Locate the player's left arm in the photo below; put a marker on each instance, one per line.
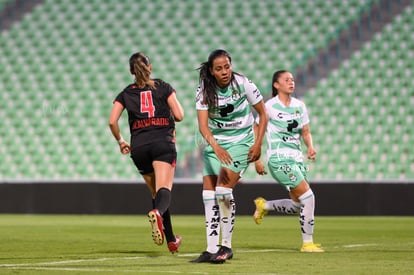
(255, 98)
(175, 107)
(307, 139)
(255, 150)
(258, 164)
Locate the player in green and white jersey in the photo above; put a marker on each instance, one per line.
(223, 102)
(288, 122)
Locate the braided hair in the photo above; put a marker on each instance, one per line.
(139, 65)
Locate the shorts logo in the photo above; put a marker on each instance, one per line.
(292, 177)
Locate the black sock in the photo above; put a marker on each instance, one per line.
(166, 221)
(168, 231)
(162, 200)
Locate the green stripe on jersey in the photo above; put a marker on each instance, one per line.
(232, 120)
(285, 128)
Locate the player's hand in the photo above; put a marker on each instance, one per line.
(222, 155)
(254, 153)
(124, 148)
(260, 168)
(311, 153)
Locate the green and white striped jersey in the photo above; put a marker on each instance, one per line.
(284, 129)
(233, 119)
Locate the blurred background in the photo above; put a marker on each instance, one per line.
(62, 62)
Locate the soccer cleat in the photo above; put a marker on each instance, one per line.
(311, 247)
(222, 255)
(173, 246)
(157, 228)
(205, 257)
(260, 210)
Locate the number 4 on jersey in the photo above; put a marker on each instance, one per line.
(147, 106)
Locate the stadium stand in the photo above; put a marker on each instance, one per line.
(365, 108)
(64, 62)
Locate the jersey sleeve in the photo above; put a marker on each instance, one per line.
(200, 99)
(253, 94)
(166, 88)
(120, 98)
(268, 108)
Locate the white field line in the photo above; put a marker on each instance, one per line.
(72, 261)
(53, 266)
(360, 245)
(34, 265)
(370, 244)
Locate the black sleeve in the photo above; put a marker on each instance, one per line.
(166, 88)
(120, 98)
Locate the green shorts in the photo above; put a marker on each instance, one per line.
(238, 152)
(288, 173)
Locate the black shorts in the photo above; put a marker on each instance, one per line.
(144, 155)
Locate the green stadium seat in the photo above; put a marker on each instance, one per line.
(78, 60)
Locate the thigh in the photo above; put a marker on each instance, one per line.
(209, 182)
(289, 174)
(163, 155)
(144, 155)
(238, 153)
(141, 155)
(164, 175)
(228, 178)
(164, 152)
(211, 164)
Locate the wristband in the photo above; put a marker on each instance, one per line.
(121, 140)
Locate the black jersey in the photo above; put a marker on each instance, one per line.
(149, 115)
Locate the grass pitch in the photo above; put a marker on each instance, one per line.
(118, 244)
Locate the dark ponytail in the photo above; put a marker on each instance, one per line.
(275, 78)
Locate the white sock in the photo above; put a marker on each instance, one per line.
(286, 206)
(307, 215)
(227, 206)
(212, 215)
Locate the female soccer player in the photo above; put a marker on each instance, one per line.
(288, 121)
(226, 122)
(152, 109)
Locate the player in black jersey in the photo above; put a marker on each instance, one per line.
(153, 109)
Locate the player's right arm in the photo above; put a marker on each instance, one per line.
(116, 113)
